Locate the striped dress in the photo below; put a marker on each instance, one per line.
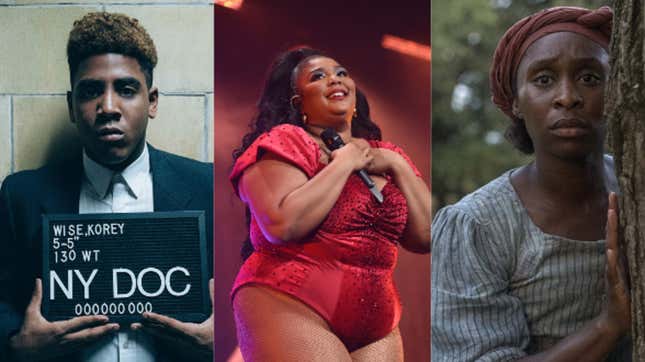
(502, 288)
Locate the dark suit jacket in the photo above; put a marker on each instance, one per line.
(178, 184)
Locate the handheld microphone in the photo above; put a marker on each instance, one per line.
(333, 142)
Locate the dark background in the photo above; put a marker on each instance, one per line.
(398, 89)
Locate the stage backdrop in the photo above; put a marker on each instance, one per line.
(397, 86)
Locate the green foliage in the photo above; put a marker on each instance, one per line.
(468, 148)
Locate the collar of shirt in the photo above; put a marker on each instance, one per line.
(99, 176)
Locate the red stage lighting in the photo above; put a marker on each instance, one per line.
(231, 4)
(407, 47)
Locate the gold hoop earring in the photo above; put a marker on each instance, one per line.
(355, 113)
(291, 101)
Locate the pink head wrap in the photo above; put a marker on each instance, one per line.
(593, 24)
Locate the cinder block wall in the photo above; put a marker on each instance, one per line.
(34, 77)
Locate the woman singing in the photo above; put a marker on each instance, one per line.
(318, 285)
(521, 267)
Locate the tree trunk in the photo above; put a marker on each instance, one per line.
(625, 114)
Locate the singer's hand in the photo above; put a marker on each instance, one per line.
(354, 154)
(40, 339)
(384, 161)
(360, 142)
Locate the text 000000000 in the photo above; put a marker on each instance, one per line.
(112, 308)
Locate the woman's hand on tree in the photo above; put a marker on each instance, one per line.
(617, 312)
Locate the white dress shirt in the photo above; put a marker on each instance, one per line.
(106, 191)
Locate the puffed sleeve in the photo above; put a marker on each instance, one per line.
(474, 318)
(289, 142)
(397, 149)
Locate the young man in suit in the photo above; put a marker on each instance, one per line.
(111, 60)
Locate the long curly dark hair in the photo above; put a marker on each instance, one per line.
(275, 108)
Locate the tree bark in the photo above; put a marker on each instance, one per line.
(625, 115)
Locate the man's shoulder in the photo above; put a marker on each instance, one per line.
(30, 188)
(184, 161)
(43, 176)
(182, 164)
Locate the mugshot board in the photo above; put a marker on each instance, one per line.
(122, 265)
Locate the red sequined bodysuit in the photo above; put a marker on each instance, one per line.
(344, 271)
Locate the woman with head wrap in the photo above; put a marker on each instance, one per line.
(520, 267)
